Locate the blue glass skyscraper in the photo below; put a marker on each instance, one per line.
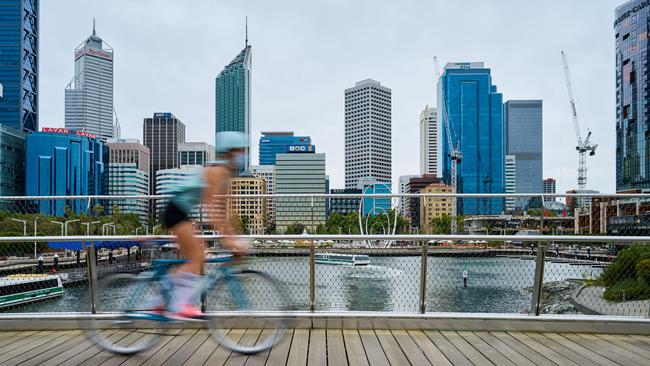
(19, 64)
(475, 113)
(272, 143)
(232, 97)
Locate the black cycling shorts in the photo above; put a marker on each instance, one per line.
(173, 215)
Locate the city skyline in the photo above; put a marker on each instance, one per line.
(287, 88)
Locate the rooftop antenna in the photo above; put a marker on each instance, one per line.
(246, 31)
(94, 33)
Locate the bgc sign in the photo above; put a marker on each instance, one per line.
(301, 148)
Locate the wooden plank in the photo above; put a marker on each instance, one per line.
(140, 358)
(317, 355)
(170, 348)
(642, 338)
(335, 348)
(201, 355)
(585, 352)
(299, 348)
(633, 340)
(249, 339)
(60, 337)
(447, 349)
(15, 337)
(522, 349)
(221, 354)
(564, 351)
(65, 351)
(26, 344)
(542, 349)
(374, 351)
(356, 354)
(408, 347)
(260, 358)
(485, 349)
(511, 354)
(280, 352)
(640, 348)
(614, 353)
(81, 357)
(429, 349)
(126, 341)
(470, 352)
(391, 348)
(187, 349)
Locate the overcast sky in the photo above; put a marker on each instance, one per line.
(168, 52)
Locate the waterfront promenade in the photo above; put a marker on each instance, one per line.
(337, 347)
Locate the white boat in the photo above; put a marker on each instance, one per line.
(25, 288)
(342, 259)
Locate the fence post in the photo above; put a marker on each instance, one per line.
(423, 277)
(312, 277)
(539, 279)
(92, 265)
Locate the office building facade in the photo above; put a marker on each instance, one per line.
(429, 141)
(632, 26)
(368, 128)
(375, 205)
(233, 97)
(511, 181)
(267, 172)
(195, 153)
(414, 186)
(403, 202)
(549, 187)
(272, 143)
(302, 174)
(476, 121)
(128, 175)
(523, 125)
(344, 205)
(12, 162)
(251, 211)
(19, 59)
(89, 95)
(434, 207)
(162, 134)
(62, 162)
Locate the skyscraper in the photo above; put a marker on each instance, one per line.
(128, 175)
(162, 135)
(548, 187)
(367, 133)
(429, 141)
(12, 162)
(476, 121)
(523, 125)
(89, 95)
(232, 96)
(272, 143)
(403, 206)
(511, 180)
(19, 29)
(632, 26)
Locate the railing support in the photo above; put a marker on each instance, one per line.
(539, 279)
(92, 277)
(312, 277)
(423, 277)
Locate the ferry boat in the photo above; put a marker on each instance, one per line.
(342, 259)
(25, 288)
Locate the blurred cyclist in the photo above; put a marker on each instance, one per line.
(210, 181)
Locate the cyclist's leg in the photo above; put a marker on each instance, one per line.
(190, 246)
(187, 280)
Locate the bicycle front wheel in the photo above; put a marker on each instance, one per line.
(251, 308)
(122, 323)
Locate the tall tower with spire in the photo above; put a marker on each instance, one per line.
(232, 95)
(89, 95)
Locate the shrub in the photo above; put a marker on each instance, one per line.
(643, 270)
(634, 289)
(624, 266)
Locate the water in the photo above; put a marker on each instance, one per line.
(499, 285)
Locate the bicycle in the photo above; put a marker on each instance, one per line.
(232, 291)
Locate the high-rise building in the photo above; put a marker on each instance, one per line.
(251, 211)
(233, 97)
(299, 173)
(344, 205)
(523, 125)
(272, 143)
(375, 205)
(435, 207)
(403, 205)
(429, 141)
(62, 162)
(511, 180)
(267, 172)
(162, 135)
(367, 133)
(476, 122)
(195, 153)
(19, 58)
(415, 185)
(12, 162)
(128, 175)
(632, 26)
(549, 187)
(89, 95)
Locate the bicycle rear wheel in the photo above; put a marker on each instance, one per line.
(121, 324)
(251, 310)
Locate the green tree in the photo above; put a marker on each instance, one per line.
(295, 228)
(441, 225)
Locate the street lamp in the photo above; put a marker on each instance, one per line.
(88, 226)
(153, 229)
(24, 225)
(59, 223)
(105, 226)
(66, 225)
(35, 234)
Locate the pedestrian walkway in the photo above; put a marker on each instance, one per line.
(590, 301)
(336, 347)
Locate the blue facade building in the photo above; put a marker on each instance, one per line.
(475, 114)
(19, 64)
(272, 143)
(375, 205)
(62, 162)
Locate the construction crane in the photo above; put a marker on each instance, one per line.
(454, 153)
(583, 146)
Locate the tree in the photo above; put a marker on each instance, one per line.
(295, 228)
(441, 225)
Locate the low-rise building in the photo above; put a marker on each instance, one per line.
(434, 207)
(251, 211)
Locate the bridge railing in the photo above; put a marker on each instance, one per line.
(542, 259)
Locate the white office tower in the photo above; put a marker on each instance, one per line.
(367, 133)
(403, 206)
(195, 153)
(511, 181)
(429, 141)
(267, 172)
(89, 95)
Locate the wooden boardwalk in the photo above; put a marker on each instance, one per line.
(339, 347)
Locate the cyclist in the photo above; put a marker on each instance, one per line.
(212, 180)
